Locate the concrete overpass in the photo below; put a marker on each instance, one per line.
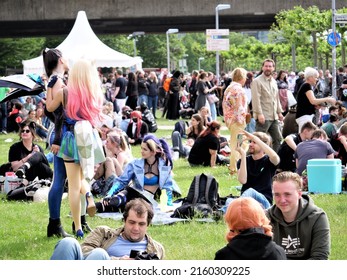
(24, 18)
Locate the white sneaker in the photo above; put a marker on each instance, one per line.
(176, 155)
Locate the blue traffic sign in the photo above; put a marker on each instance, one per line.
(334, 39)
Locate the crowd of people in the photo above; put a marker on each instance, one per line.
(82, 109)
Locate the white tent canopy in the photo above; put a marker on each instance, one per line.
(83, 43)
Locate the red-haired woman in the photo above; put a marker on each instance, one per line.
(249, 233)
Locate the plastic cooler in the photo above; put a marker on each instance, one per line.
(324, 175)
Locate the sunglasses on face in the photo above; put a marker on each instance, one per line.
(25, 131)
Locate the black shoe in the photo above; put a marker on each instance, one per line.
(55, 228)
(85, 226)
(20, 173)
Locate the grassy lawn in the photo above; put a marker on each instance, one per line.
(23, 224)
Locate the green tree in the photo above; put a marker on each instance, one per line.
(13, 51)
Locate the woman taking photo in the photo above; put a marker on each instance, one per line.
(307, 102)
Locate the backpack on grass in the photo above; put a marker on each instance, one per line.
(202, 199)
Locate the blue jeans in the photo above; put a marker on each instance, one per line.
(57, 189)
(213, 111)
(257, 196)
(178, 146)
(69, 248)
(142, 98)
(250, 193)
(152, 104)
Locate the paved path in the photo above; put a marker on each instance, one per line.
(167, 127)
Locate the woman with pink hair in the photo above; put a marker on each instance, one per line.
(249, 233)
(82, 100)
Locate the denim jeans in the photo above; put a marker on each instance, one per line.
(178, 146)
(213, 111)
(249, 193)
(257, 196)
(57, 188)
(69, 249)
(152, 104)
(142, 98)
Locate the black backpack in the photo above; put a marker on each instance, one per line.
(202, 199)
(149, 119)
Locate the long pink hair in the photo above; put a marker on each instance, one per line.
(85, 97)
(244, 213)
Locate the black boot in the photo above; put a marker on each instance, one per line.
(85, 226)
(55, 228)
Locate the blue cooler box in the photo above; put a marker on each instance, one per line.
(324, 175)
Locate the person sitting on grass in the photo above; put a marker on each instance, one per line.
(300, 227)
(105, 243)
(249, 233)
(28, 159)
(146, 175)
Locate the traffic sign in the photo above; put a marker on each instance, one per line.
(215, 40)
(217, 32)
(334, 39)
(341, 18)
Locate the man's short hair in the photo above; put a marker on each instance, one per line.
(333, 118)
(286, 176)
(140, 206)
(333, 108)
(308, 126)
(318, 133)
(119, 72)
(269, 60)
(266, 138)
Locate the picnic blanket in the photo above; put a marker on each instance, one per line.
(160, 217)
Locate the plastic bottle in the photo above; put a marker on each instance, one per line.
(163, 200)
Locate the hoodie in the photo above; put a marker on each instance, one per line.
(251, 244)
(307, 237)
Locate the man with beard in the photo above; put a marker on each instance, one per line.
(105, 243)
(266, 104)
(256, 170)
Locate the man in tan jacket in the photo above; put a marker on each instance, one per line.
(267, 110)
(124, 243)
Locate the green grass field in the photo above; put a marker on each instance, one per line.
(23, 224)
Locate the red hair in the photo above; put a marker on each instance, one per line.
(244, 213)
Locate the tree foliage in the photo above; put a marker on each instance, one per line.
(304, 30)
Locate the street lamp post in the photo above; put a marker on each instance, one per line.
(219, 8)
(170, 31)
(134, 36)
(200, 58)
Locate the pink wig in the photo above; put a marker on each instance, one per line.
(85, 98)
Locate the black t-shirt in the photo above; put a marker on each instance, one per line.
(200, 154)
(121, 83)
(259, 175)
(304, 107)
(18, 151)
(339, 148)
(286, 154)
